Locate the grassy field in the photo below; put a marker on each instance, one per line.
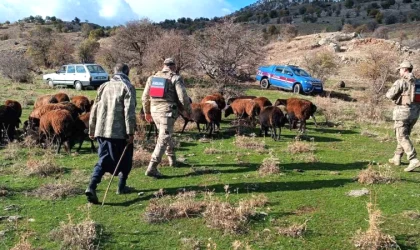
(311, 187)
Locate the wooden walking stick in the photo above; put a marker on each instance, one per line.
(115, 171)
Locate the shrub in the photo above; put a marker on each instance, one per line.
(373, 12)
(347, 28)
(40, 40)
(379, 16)
(87, 50)
(391, 19)
(289, 31)
(61, 52)
(321, 65)
(269, 166)
(406, 1)
(349, 4)
(15, 67)
(381, 32)
(86, 29)
(4, 37)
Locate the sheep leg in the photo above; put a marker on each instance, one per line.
(92, 146)
(59, 145)
(313, 117)
(274, 135)
(185, 125)
(67, 146)
(210, 125)
(198, 127)
(81, 140)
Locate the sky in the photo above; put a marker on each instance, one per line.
(116, 12)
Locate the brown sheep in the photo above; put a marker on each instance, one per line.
(271, 118)
(15, 105)
(9, 121)
(82, 102)
(243, 108)
(230, 100)
(262, 102)
(62, 97)
(298, 110)
(218, 98)
(43, 100)
(37, 113)
(57, 125)
(205, 113)
(197, 116)
(81, 131)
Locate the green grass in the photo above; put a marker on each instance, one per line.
(333, 219)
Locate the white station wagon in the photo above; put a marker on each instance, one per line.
(79, 76)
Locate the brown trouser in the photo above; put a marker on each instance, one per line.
(164, 143)
(402, 132)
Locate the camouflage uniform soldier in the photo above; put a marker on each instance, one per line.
(163, 95)
(112, 123)
(405, 114)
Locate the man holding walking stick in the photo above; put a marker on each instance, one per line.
(112, 123)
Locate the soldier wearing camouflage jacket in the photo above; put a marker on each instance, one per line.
(164, 111)
(405, 114)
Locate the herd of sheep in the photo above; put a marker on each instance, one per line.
(57, 119)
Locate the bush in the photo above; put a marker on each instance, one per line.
(349, 4)
(381, 32)
(379, 17)
(347, 28)
(373, 12)
(406, 1)
(385, 5)
(272, 30)
(86, 29)
(391, 19)
(15, 67)
(289, 31)
(40, 41)
(87, 50)
(61, 52)
(4, 37)
(321, 65)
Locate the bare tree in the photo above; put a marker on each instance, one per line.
(107, 57)
(227, 52)
(61, 52)
(173, 44)
(133, 40)
(15, 66)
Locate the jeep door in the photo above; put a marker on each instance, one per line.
(60, 76)
(276, 77)
(71, 75)
(287, 78)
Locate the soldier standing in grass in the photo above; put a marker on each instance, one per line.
(163, 96)
(112, 123)
(406, 95)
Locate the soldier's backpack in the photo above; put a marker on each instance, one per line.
(159, 87)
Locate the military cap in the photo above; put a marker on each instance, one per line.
(405, 65)
(169, 61)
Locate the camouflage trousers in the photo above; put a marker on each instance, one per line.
(164, 144)
(404, 144)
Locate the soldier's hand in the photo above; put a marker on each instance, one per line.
(92, 137)
(130, 139)
(148, 118)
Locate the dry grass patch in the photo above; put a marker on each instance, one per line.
(231, 219)
(12, 151)
(76, 236)
(252, 143)
(294, 231)
(374, 238)
(46, 166)
(369, 176)
(269, 166)
(55, 191)
(239, 245)
(3, 191)
(298, 147)
(168, 208)
(23, 244)
(191, 244)
(141, 157)
(413, 215)
(212, 151)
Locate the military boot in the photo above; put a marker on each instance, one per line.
(152, 171)
(415, 163)
(396, 160)
(91, 195)
(123, 188)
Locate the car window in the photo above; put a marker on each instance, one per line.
(80, 69)
(287, 72)
(95, 69)
(62, 70)
(70, 69)
(279, 69)
(301, 72)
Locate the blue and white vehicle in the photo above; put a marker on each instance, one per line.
(288, 77)
(79, 76)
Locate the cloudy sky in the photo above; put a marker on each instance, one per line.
(114, 12)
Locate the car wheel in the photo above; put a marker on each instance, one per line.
(51, 83)
(297, 88)
(78, 86)
(264, 83)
